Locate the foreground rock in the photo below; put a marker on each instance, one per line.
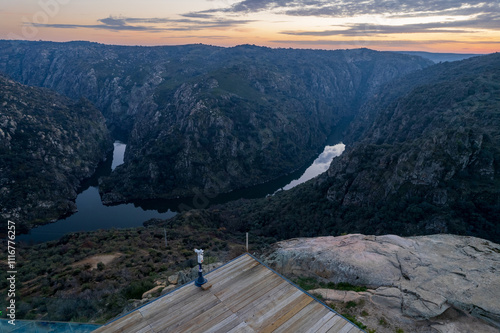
(423, 281)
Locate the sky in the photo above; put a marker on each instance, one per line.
(417, 25)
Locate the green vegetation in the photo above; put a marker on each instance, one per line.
(308, 283)
(135, 289)
(48, 144)
(66, 280)
(436, 174)
(351, 304)
(354, 320)
(382, 322)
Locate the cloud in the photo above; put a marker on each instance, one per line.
(348, 8)
(459, 16)
(97, 26)
(485, 21)
(374, 43)
(153, 24)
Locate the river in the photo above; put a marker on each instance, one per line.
(93, 215)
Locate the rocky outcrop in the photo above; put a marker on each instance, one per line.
(417, 277)
(48, 144)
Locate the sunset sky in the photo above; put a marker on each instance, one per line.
(434, 26)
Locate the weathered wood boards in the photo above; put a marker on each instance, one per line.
(245, 296)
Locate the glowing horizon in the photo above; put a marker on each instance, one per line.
(442, 26)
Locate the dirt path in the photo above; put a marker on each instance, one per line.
(94, 260)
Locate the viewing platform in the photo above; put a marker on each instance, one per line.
(243, 295)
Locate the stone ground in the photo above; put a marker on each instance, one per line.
(438, 283)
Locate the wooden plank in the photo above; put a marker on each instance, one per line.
(171, 300)
(206, 286)
(205, 318)
(232, 266)
(317, 326)
(146, 329)
(227, 319)
(242, 328)
(330, 323)
(257, 314)
(133, 320)
(259, 290)
(339, 326)
(285, 314)
(288, 326)
(355, 329)
(245, 277)
(244, 285)
(183, 316)
(178, 315)
(166, 308)
(263, 304)
(222, 281)
(347, 328)
(302, 322)
(226, 325)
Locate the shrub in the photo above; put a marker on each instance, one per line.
(137, 288)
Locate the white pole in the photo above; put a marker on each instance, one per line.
(165, 232)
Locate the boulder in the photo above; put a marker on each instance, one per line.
(173, 279)
(420, 277)
(151, 292)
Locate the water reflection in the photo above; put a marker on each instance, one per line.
(320, 165)
(118, 154)
(93, 215)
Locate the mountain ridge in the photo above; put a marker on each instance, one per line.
(428, 163)
(48, 144)
(204, 118)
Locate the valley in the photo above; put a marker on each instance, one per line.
(212, 142)
(203, 117)
(92, 214)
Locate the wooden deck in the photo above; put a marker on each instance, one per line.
(245, 296)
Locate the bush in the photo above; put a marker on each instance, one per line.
(137, 288)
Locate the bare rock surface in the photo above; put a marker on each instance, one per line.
(416, 278)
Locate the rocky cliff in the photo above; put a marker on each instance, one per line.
(416, 282)
(427, 161)
(246, 123)
(48, 144)
(430, 159)
(202, 118)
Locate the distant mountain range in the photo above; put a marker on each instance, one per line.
(441, 57)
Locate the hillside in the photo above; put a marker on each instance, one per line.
(427, 163)
(440, 57)
(203, 118)
(430, 161)
(48, 144)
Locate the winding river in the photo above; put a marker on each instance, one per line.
(93, 215)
